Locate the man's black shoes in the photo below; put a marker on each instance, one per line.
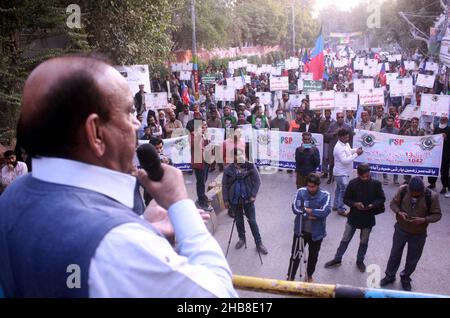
(406, 285)
(361, 266)
(262, 249)
(332, 263)
(386, 281)
(239, 244)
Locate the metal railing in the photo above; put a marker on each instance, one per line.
(302, 289)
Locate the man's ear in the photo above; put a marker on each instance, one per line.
(94, 135)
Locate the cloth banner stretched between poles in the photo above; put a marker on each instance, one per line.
(395, 154)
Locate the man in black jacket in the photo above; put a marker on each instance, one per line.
(366, 198)
(307, 159)
(240, 185)
(308, 125)
(139, 100)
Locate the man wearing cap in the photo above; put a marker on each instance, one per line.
(415, 207)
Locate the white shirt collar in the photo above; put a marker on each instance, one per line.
(113, 184)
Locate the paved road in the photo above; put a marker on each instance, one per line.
(275, 220)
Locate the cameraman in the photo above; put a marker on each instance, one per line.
(311, 206)
(240, 185)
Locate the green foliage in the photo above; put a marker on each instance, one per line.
(131, 31)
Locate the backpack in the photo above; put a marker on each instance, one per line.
(427, 197)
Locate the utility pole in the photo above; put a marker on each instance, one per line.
(293, 27)
(194, 49)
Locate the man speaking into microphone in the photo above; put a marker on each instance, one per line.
(68, 228)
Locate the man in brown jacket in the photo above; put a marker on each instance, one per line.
(415, 207)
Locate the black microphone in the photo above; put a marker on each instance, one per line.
(150, 162)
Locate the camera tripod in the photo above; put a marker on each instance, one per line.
(298, 251)
(240, 209)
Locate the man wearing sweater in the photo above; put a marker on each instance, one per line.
(343, 164)
(415, 207)
(77, 232)
(365, 197)
(311, 207)
(307, 159)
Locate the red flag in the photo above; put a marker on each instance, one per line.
(317, 63)
(185, 95)
(382, 75)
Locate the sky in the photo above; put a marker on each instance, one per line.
(341, 4)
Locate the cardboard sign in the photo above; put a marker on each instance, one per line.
(235, 82)
(176, 67)
(410, 65)
(321, 100)
(265, 98)
(275, 71)
(208, 79)
(435, 105)
(312, 86)
(135, 75)
(425, 80)
(279, 83)
(345, 101)
(371, 97)
(409, 112)
(185, 75)
(252, 68)
(431, 66)
(401, 87)
(370, 71)
(155, 101)
(296, 100)
(187, 66)
(363, 84)
(390, 77)
(291, 64)
(358, 64)
(225, 93)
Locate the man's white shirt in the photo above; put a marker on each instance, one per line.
(134, 261)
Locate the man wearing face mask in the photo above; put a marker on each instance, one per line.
(415, 207)
(279, 122)
(13, 168)
(365, 197)
(307, 159)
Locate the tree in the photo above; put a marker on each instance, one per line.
(131, 31)
(25, 27)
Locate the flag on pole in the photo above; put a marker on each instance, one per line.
(382, 75)
(317, 63)
(185, 94)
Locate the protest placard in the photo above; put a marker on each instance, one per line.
(409, 112)
(371, 97)
(187, 66)
(410, 65)
(291, 63)
(425, 80)
(312, 86)
(401, 87)
(394, 154)
(185, 75)
(155, 101)
(265, 98)
(296, 100)
(434, 105)
(390, 77)
(279, 83)
(176, 67)
(225, 93)
(363, 84)
(321, 100)
(135, 75)
(252, 68)
(370, 71)
(345, 101)
(431, 66)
